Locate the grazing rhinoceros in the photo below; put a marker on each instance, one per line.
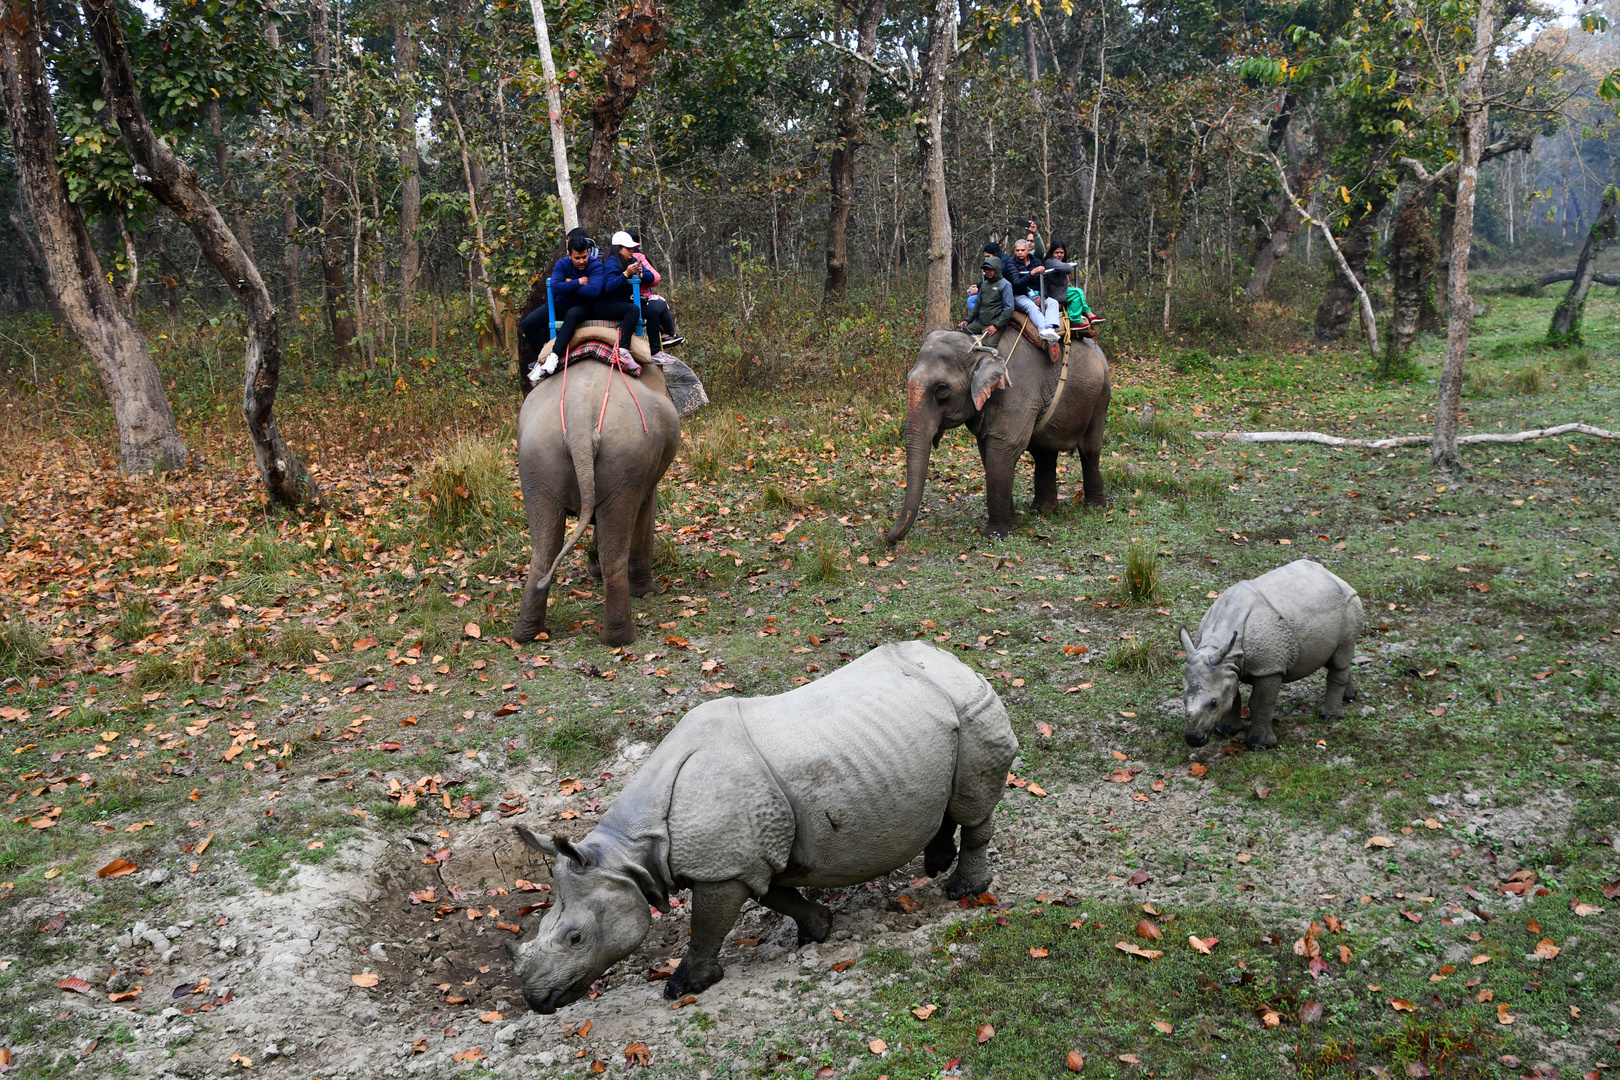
(1278, 628)
(832, 784)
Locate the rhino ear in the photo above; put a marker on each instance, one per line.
(1226, 649)
(545, 845)
(1186, 644)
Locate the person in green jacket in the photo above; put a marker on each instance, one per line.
(994, 307)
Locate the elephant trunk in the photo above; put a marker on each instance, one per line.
(922, 427)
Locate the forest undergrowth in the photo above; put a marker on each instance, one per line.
(174, 650)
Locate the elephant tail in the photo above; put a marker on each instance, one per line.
(582, 449)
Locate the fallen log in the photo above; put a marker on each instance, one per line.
(1569, 275)
(1397, 441)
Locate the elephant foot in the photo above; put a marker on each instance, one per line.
(616, 635)
(998, 529)
(643, 587)
(692, 978)
(528, 627)
(816, 926)
(1044, 508)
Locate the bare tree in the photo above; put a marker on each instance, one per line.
(338, 310)
(559, 135)
(637, 36)
(853, 82)
(1472, 128)
(410, 164)
(937, 66)
(174, 183)
(1566, 322)
(148, 437)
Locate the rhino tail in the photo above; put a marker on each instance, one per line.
(582, 449)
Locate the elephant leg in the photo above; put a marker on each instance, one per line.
(1338, 681)
(973, 865)
(1091, 457)
(941, 850)
(546, 524)
(715, 906)
(814, 920)
(614, 528)
(1046, 485)
(641, 546)
(1000, 470)
(1262, 710)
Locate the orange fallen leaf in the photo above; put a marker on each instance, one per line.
(1037, 953)
(1036, 790)
(1480, 959)
(1149, 929)
(474, 1054)
(923, 1012)
(1075, 1061)
(1137, 950)
(985, 1033)
(1197, 768)
(1130, 1059)
(1164, 1025)
(843, 965)
(1202, 945)
(117, 868)
(1345, 955)
(472, 630)
(74, 986)
(1271, 1018)
(1485, 995)
(637, 1053)
(877, 1046)
(1583, 909)
(1546, 950)
(490, 1017)
(1400, 1005)
(1379, 841)
(365, 978)
(1503, 1016)
(1043, 729)
(1574, 1012)
(1333, 924)
(242, 1060)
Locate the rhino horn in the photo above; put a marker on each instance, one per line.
(1187, 642)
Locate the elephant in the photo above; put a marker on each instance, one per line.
(1003, 401)
(594, 442)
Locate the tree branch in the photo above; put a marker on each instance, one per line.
(1517, 141)
(1397, 441)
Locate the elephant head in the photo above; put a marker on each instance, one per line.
(948, 386)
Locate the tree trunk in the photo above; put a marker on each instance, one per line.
(35, 258)
(1472, 130)
(559, 134)
(941, 51)
(338, 312)
(222, 157)
(174, 183)
(1566, 321)
(410, 165)
(638, 35)
(1411, 265)
(1339, 305)
(852, 86)
(148, 438)
(1306, 173)
(291, 253)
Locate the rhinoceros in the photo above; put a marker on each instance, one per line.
(1274, 629)
(835, 783)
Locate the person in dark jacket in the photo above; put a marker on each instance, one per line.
(576, 284)
(618, 294)
(1026, 274)
(994, 309)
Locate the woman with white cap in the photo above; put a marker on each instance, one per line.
(618, 295)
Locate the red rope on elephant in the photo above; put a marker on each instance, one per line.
(562, 399)
(616, 366)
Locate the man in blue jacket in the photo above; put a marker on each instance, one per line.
(576, 286)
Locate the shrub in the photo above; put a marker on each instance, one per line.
(715, 445)
(1139, 656)
(135, 618)
(1526, 380)
(1141, 574)
(21, 646)
(1193, 361)
(469, 484)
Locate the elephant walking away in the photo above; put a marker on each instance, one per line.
(594, 442)
(1007, 401)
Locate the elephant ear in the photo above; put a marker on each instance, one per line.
(989, 376)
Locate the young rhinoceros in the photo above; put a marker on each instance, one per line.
(832, 784)
(1277, 628)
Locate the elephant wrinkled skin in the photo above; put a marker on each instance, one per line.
(609, 476)
(1001, 399)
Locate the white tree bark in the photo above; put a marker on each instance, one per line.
(559, 137)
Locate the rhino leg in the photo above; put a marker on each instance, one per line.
(973, 866)
(1262, 708)
(715, 906)
(941, 850)
(814, 920)
(1338, 682)
(1232, 722)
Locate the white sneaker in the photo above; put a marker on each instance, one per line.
(1049, 336)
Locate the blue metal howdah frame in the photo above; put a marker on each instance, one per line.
(635, 298)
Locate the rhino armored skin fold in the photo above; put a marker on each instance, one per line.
(1277, 628)
(835, 783)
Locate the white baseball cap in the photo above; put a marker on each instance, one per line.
(624, 239)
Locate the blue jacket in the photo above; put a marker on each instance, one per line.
(566, 290)
(615, 286)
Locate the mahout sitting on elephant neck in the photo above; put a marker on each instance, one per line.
(1277, 628)
(835, 783)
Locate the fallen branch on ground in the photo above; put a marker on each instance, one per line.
(1569, 275)
(1405, 440)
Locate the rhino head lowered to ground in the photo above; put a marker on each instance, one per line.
(829, 785)
(1277, 628)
